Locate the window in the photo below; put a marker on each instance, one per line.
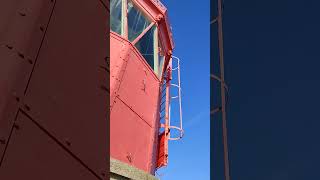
(148, 45)
(116, 16)
(137, 22)
(161, 57)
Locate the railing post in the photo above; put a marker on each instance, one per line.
(167, 113)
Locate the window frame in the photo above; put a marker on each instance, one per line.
(157, 69)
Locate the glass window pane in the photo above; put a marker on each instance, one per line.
(161, 59)
(161, 62)
(115, 15)
(137, 22)
(145, 46)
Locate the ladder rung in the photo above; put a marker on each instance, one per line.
(163, 90)
(162, 103)
(216, 110)
(163, 96)
(214, 20)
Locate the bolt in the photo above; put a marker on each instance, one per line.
(21, 55)
(129, 158)
(9, 47)
(30, 61)
(22, 14)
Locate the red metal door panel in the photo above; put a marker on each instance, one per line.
(118, 62)
(33, 154)
(67, 94)
(130, 137)
(20, 40)
(139, 89)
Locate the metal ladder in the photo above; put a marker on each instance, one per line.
(165, 112)
(166, 99)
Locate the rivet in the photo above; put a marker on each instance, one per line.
(129, 158)
(21, 55)
(9, 47)
(22, 14)
(30, 61)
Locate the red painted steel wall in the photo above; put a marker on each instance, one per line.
(53, 89)
(134, 117)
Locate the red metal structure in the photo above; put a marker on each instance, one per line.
(53, 89)
(140, 81)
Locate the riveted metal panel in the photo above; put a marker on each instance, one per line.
(13, 78)
(21, 34)
(68, 91)
(33, 154)
(118, 63)
(133, 83)
(140, 88)
(129, 137)
(138, 95)
(23, 25)
(155, 139)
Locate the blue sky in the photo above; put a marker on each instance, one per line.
(189, 158)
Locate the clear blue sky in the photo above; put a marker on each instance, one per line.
(189, 158)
